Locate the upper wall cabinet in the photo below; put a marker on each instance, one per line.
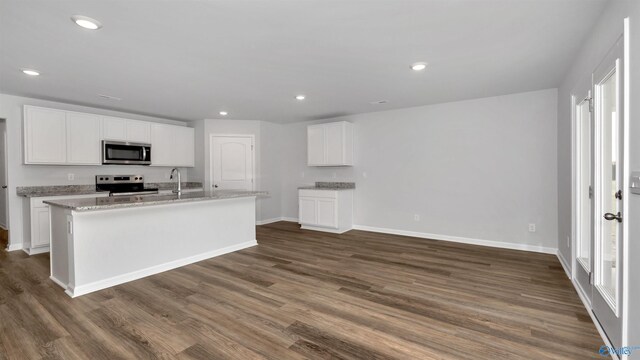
(57, 137)
(172, 145)
(45, 136)
(330, 144)
(119, 129)
(83, 139)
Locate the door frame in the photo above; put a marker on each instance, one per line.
(253, 156)
(578, 95)
(6, 175)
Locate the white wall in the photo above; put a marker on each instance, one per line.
(481, 169)
(602, 38)
(32, 175)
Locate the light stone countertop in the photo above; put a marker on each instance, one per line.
(117, 202)
(329, 185)
(70, 190)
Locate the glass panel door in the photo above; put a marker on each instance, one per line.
(607, 269)
(584, 214)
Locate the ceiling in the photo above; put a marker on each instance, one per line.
(189, 60)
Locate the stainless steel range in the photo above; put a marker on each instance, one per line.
(123, 185)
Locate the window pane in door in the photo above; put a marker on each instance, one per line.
(608, 274)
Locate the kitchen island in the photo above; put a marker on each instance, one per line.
(101, 242)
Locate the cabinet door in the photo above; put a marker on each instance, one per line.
(185, 147)
(316, 145)
(138, 131)
(307, 211)
(40, 228)
(327, 213)
(162, 145)
(83, 139)
(44, 136)
(334, 142)
(114, 128)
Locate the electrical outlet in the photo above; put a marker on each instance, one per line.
(532, 227)
(71, 177)
(416, 217)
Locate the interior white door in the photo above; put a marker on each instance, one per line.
(584, 197)
(3, 175)
(608, 256)
(232, 162)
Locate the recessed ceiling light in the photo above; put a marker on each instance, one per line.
(419, 66)
(30, 72)
(300, 97)
(86, 22)
(223, 113)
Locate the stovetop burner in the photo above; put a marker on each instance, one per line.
(123, 185)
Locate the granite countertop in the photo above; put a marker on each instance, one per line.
(70, 190)
(326, 185)
(116, 202)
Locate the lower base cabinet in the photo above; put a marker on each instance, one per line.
(37, 225)
(325, 210)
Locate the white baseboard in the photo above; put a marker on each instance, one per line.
(121, 279)
(60, 283)
(463, 240)
(14, 247)
(318, 228)
(603, 335)
(36, 251)
(269, 221)
(564, 263)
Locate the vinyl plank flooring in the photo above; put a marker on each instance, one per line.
(308, 295)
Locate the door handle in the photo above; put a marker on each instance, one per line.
(215, 186)
(610, 216)
(4, 186)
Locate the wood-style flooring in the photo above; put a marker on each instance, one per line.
(304, 294)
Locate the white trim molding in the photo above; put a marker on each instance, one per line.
(565, 264)
(14, 247)
(458, 239)
(270, 221)
(121, 279)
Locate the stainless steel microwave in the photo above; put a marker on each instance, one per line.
(125, 153)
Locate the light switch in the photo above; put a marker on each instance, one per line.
(634, 182)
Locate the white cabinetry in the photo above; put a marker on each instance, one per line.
(83, 139)
(172, 145)
(57, 137)
(37, 226)
(44, 136)
(119, 129)
(325, 210)
(330, 144)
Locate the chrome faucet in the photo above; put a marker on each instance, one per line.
(179, 189)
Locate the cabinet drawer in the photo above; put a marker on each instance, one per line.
(330, 194)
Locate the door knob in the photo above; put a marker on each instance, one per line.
(215, 186)
(4, 186)
(610, 216)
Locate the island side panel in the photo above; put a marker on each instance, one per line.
(114, 246)
(59, 248)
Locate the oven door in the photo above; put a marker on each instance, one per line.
(125, 153)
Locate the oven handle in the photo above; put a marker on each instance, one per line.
(144, 153)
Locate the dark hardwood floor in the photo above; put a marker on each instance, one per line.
(303, 294)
